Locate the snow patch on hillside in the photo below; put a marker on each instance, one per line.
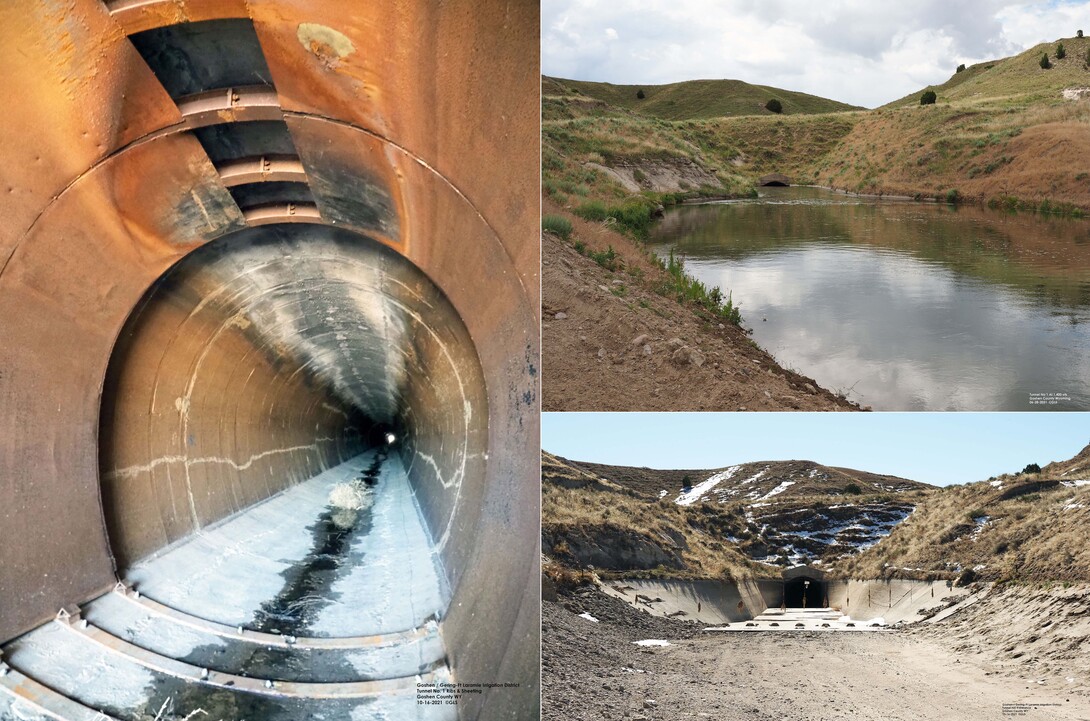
(777, 490)
(697, 492)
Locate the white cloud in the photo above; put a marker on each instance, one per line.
(857, 51)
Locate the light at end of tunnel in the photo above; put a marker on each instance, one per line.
(390, 438)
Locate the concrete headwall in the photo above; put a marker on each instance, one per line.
(891, 600)
(707, 601)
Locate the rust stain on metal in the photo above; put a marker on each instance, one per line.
(138, 15)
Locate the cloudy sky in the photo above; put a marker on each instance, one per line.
(864, 52)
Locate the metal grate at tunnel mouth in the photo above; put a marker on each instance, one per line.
(271, 345)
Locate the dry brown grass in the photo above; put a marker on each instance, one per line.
(697, 533)
(980, 153)
(1000, 130)
(1033, 537)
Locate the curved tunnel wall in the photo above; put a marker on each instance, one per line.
(412, 126)
(267, 356)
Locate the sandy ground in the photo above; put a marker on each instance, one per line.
(595, 671)
(612, 344)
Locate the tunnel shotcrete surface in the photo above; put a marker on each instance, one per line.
(268, 359)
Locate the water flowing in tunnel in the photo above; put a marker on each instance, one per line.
(268, 295)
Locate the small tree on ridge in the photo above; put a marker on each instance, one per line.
(928, 98)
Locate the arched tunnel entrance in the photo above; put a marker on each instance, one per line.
(268, 294)
(804, 592)
(804, 587)
(774, 180)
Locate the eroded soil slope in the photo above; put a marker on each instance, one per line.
(610, 343)
(1020, 526)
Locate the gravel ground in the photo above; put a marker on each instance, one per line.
(595, 671)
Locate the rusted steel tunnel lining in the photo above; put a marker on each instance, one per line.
(407, 199)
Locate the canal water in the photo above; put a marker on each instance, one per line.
(902, 305)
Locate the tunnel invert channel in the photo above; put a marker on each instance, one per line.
(398, 137)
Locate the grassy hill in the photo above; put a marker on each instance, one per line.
(1017, 526)
(756, 518)
(1017, 81)
(588, 521)
(694, 99)
(748, 481)
(747, 520)
(1001, 133)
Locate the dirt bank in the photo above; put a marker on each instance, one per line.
(595, 671)
(610, 343)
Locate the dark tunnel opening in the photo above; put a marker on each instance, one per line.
(803, 592)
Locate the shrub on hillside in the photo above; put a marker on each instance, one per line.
(774, 105)
(558, 225)
(1078, 33)
(640, 95)
(1032, 468)
(1060, 52)
(928, 98)
(853, 489)
(960, 68)
(1045, 64)
(594, 210)
(606, 258)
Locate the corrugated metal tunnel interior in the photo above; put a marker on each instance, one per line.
(268, 358)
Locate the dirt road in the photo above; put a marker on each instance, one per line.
(595, 671)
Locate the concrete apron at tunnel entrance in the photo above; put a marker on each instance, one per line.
(802, 619)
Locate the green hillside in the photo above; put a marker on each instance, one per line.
(694, 99)
(1016, 81)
